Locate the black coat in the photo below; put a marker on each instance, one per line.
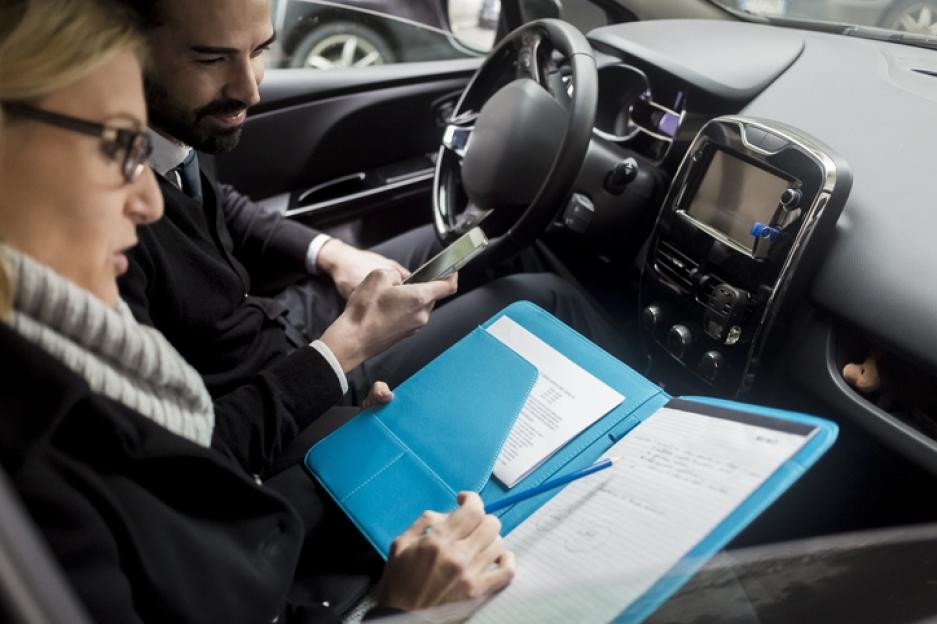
(147, 525)
(195, 274)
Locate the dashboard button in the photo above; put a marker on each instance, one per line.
(711, 365)
(652, 318)
(679, 340)
(621, 176)
(760, 230)
(578, 214)
(790, 198)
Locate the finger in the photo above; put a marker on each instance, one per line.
(491, 554)
(381, 278)
(377, 399)
(381, 393)
(404, 272)
(467, 517)
(453, 280)
(433, 291)
(427, 518)
(390, 276)
(498, 577)
(395, 278)
(486, 533)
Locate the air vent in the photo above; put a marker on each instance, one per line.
(675, 267)
(706, 288)
(707, 284)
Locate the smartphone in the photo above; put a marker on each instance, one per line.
(451, 259)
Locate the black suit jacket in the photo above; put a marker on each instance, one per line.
(194, 274)
(147, 525)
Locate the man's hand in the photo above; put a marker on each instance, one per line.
(379, 395)
(380, 312)
(461, 557)
(349, 265)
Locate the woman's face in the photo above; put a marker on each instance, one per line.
(62, 199)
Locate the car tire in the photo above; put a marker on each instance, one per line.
(916, 16)
(325, 47)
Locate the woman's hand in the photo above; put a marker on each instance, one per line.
(379, 395)
(460, 557)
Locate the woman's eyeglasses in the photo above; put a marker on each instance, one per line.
(135, 144)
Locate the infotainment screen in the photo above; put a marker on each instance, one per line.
(735, 195)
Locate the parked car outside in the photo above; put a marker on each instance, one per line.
(489, 14)
(364, 33)
(915, 16)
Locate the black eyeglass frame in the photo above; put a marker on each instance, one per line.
(136, 144)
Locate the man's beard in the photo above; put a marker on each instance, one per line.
(183, 124)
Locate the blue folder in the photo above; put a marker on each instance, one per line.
(447, 423)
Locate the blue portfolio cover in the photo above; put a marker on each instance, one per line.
(445, 427)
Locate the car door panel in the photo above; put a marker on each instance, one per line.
(333, 146)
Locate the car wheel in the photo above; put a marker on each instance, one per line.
(915, 16)
(341, 45)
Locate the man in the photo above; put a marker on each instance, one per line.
(195, 273)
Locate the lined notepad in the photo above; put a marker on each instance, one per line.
(564, 401)
(606, 540)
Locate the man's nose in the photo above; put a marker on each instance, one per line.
(145, 202)
(243, 83)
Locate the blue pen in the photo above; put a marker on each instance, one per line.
(549, 485)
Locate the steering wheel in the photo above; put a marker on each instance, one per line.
(517, 138)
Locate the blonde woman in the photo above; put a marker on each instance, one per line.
(140, 484)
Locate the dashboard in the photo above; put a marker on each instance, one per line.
(865, 286)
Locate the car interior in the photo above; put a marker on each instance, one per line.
(746, 199)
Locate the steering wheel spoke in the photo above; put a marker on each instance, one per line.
(471, 217)
(558, 80)
(456, 137)
(511, 163)
(528, 61)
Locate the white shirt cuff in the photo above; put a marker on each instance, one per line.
(312, 253)
(323, 348)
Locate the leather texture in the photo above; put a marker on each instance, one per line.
(440, 435)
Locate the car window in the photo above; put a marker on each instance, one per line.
(583, 14)
(323, 34)
(913, 16)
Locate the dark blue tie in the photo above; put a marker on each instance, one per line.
(190, 177)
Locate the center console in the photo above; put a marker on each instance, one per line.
(749, 212)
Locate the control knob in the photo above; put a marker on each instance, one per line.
(711, 365)
(651, 318)
(679, 340)
(790, 198)
(621, 176)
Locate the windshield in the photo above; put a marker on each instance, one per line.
(918, 17)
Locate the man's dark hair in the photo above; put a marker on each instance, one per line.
(147, 11)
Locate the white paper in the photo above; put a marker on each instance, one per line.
(606, 539)
(565, 400)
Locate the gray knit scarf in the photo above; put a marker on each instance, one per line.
(119, 358)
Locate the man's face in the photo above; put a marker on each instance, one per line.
(206, 64)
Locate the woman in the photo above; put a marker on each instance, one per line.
(141, 486)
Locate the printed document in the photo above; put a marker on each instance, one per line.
(605, 540)
(565, 400)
